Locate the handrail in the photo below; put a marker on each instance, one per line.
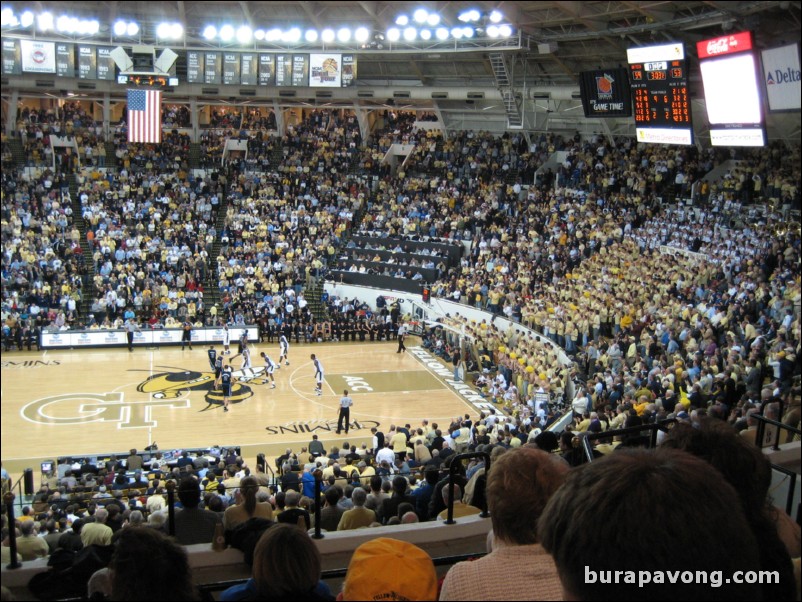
(171, 508)
(261, 460)
(8, 499)
(318, 474)
(338, 573)
(653, 428)
(20, 497)
(761, 429)
(452, 470)
(789, 498)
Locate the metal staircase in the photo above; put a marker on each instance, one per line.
(17, 151)
(111, 155)
(88, 270)
(313, 293)
(194, 155)
(515, 118)
(211, 283)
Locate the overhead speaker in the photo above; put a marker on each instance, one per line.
(121, 59)
(166, 60)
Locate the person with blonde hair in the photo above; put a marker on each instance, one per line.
(246, 505)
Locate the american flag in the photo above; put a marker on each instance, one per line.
(144, 116)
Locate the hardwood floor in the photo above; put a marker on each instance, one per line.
(97, 401)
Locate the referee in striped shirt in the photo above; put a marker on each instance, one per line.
(345, 412)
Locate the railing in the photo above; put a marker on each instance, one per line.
(789, 498)
(210, 588)
(318, 474)
(761, 430)
(652, 429)
(9, 487)
(452, 470)
(366, 480)
(8, 500)
(266, 468)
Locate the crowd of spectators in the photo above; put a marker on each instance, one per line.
(451, 202)
(212, 145)
(553, 259)
(541, 507)
(472, 155)
(545, 257)
(170, 156)
(528, 248)
(70, 121)
(176, 116)
(257, 119)
(284, 225)
(572, 264)
(42, 262)
(666, 312)
(150, 233)
(770, 173)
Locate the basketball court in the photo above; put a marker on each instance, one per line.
(96, 401)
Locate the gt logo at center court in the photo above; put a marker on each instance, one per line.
(165, 390)
(85, 408)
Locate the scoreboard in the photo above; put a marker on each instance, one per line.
(661, 101)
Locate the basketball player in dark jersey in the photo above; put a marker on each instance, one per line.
(218, 370)
(225, 381)
(186, 335)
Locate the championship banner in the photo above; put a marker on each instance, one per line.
(325, 70)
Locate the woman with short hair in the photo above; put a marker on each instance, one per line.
(286, 566)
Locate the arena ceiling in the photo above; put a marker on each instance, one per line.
(558, 39)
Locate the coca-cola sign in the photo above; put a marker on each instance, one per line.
(729, 44)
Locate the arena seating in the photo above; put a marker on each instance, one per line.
(657, 303)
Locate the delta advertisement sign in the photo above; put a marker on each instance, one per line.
(783, 78)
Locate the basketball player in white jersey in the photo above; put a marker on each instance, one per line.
(318, 375)
(284, 350)
(270, 366)
(246, 361)
(226, 340)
